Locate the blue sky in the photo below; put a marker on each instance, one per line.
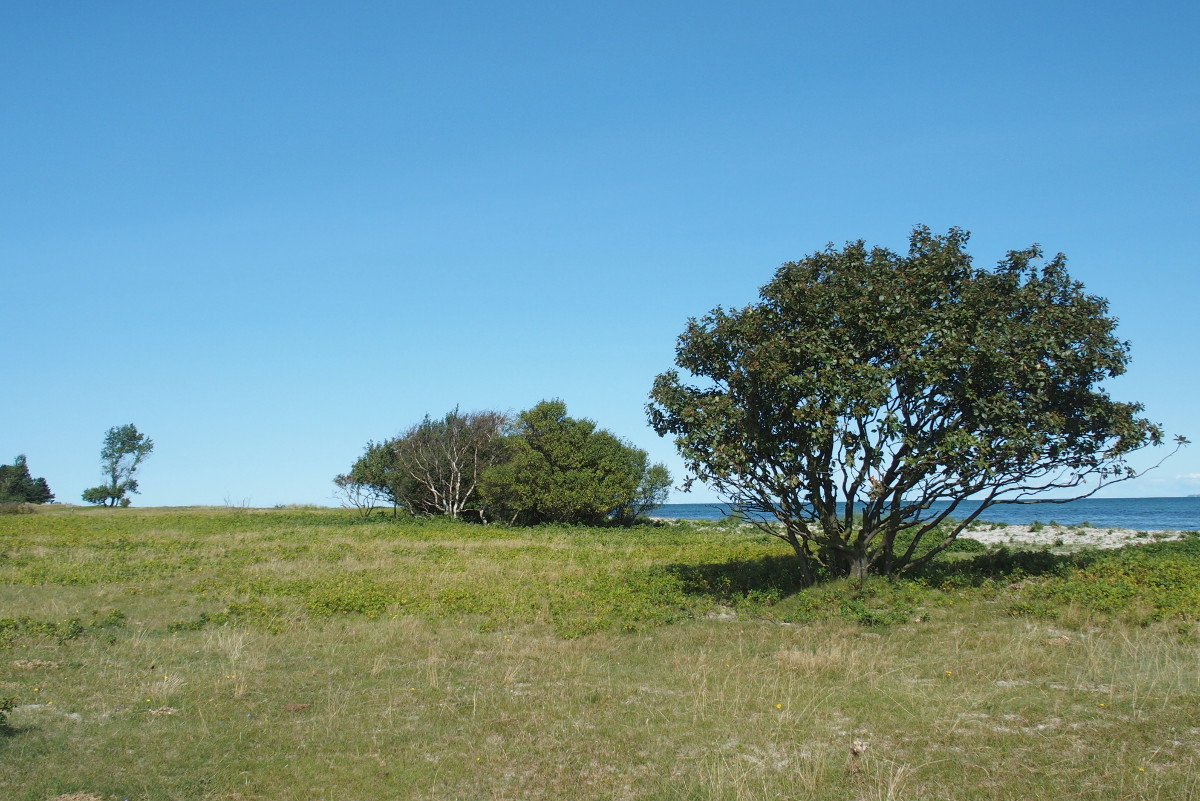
(268, 232)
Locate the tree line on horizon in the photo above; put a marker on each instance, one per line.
(540, 466)
(124, 450)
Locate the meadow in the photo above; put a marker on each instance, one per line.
(314, 654)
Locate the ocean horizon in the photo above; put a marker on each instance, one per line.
(1139, 514)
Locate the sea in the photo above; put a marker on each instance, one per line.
(1139, 514)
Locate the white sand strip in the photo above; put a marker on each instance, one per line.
(1064, 536)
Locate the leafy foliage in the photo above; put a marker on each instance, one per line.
(372, 480)
(1140, 583)
(562, 470)
(865, 385)
(125, 448)
(653, 490)
(18, 486)
(433, 468)
(543, 467)
(442, 461)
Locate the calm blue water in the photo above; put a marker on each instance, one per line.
(1142, 514)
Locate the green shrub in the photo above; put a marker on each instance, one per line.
(586, 604)
(1140, 583)
(198, 623)
(62, 631)
(108, 619)
(966, 545)
(875, 602)
(346, 595)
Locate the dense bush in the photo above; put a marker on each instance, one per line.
(559, 469)
(542, 467)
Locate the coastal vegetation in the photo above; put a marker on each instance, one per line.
(516, 626)
(541, 466)
(866, 385)
(304, 653)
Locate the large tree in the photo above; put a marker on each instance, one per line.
(559, 469)
(865, 386)
(125, 448)
(17, 485)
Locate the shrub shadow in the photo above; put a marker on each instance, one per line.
(722, 581)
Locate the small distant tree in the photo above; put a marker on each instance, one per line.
(562, 470)
(125, 448)
(866, 386)
(18, 486)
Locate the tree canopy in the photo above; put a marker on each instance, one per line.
(433, 468)
(18, 486)
(124, 450)
(540, 467)
(560, 469)
(865, 386)
(372, 480)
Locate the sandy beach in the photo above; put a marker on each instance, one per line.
(1066, 536)
(1049, 535)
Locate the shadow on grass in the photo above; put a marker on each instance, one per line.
(1135, 575)
(778, 576)
(1001, 564)
(774, 576)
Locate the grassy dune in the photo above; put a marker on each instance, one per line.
(308, 654)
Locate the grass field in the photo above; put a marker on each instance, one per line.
(311, 654)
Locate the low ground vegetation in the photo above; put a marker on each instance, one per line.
(306, 653)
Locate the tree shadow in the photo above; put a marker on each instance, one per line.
(723, 581)
(779, 576)
(1001, 564)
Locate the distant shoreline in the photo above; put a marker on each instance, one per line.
(1135, 514)
(1049, 536)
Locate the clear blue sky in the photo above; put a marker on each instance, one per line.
(268, 232)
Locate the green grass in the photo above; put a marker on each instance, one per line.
(309, 654)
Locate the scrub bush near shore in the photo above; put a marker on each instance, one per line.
(309, 653)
